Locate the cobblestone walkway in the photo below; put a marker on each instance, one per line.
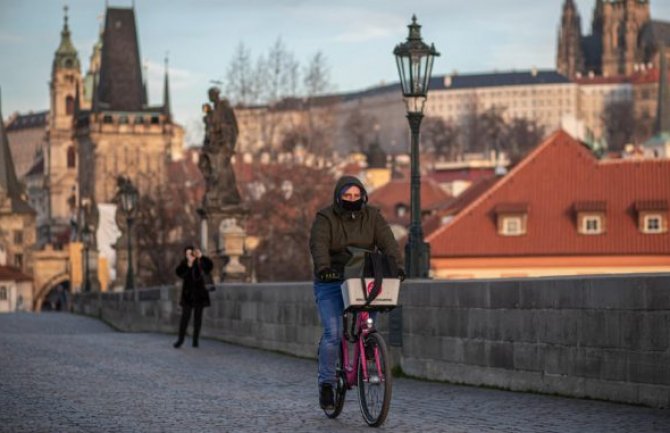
(65, 373)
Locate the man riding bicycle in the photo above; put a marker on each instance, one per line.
(348, 222)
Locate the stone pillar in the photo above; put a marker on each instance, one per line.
(94, 281)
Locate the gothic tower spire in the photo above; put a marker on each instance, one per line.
(166, 92)
(663, 110)
(570, 59)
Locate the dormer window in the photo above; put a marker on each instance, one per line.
(512, 218)
(400, 210)
(653, 223)
(591, 217)
(652, 216)
(592, 225)
(511, 226)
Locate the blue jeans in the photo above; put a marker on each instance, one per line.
(331, 307)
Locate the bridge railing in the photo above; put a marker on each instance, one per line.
(603, 337)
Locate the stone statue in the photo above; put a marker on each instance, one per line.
(90, 218)
(217, 150)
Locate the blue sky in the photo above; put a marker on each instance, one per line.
(357, 38)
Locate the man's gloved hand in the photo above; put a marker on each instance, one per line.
(329, 274)
(401, 275)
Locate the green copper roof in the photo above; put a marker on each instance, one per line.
(66, 55)
(658, 139)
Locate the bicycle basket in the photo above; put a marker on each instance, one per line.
(354, 294)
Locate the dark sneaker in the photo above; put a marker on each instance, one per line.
(195, 343)
(178, 344)
(326, 398)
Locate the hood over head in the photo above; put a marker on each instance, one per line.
(343, 183)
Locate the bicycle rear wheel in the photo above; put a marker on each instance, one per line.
(374, 393)
(340, 389)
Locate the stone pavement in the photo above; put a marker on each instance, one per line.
(66, 373)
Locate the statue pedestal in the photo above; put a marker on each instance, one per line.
(93, 280)
(222, 239)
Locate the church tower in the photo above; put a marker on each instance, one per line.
(92, 75)
(621, 24)
(570, 58)
(61, 154)
(121, 134)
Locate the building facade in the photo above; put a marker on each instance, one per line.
(17, 218)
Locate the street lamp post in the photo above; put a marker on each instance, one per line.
(414, 59)
(86, 240)
(129, 197)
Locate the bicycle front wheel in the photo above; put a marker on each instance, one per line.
(374, 391)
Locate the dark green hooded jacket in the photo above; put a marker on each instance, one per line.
(334, 229)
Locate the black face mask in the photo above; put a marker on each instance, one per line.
(352, 206)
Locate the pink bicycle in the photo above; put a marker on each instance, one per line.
(369, 368)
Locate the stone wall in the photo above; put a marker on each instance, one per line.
(597, 337)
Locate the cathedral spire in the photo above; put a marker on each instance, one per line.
(663, 110)
(569, 58)
(166, 91)
(66, 55)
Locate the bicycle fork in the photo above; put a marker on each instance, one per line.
(350, 365)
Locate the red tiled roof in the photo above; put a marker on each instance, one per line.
(646, 76)
(10, 273)
(397, 191)
(466, 173)
(472, 193)
(552, 179)
(599, 79)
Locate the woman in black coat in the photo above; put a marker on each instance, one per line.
(194, 294)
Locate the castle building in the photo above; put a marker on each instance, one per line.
(623, 36)
(543, 96)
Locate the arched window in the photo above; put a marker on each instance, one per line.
(69, 105)
(71, 157)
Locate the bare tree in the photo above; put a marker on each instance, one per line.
(281, 217)
(619, 120)
(241, 79)
(492, 127)
(166, 219)
(278, 77)
(318, 110)
(442, 138)
(520, 137)
(316, 78)
(360, 129)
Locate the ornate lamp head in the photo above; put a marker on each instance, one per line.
(414, 59)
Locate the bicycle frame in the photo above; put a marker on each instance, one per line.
(363, 326)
